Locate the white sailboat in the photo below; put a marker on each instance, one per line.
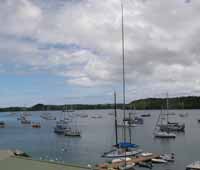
(162, 134)
(123, 149)
(171, 126)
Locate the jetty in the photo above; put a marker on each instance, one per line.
(134, 160)
(9, 161)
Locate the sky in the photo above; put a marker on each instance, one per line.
(69, 51)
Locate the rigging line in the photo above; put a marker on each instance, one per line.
(123, 53)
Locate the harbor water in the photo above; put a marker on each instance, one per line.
(98, 136)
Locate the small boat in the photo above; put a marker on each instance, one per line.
(158, 160)
(127, 167)
(146, 154)
(168, 157)
(138, 120)
(25, 121)
(72, 132)
(83, 116)
(160, 134)
(47, 116)
(146, 115)
(60, 129)
(198, 120)
(96, 117)
(36, 125)
(118, 160)
(194, 166)
(148, 165)
(184, 114)
(2, 124)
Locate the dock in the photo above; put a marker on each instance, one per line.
(8, 161)
(135, 160)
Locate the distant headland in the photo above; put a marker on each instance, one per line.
(186, 102)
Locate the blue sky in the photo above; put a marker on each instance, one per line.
(70, 51)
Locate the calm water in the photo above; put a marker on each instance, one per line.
(98, 137)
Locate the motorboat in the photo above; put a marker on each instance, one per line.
(158, 160)
(72, 132)
(60, 129)
(194, 166)
(118, 160)
(168, 157)
(146, 154)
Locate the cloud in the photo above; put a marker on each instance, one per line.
(81, 41)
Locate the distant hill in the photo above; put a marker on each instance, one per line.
(189, 102)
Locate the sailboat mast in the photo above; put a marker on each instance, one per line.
(167, 108)
(123, 53)
(115, 108)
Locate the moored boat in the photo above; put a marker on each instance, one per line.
(2, 124)
(36, 125)
(146, 115)
(160, 134)
(72, 132)
(119, 153)
(127, 166)
(173, 127)
(194, 166)
(148, 165)
(158, 160)
(168, 157)
(47, 116)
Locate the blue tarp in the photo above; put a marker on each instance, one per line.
(127, 145)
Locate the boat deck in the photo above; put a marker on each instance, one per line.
(10, 162)
(133, 160)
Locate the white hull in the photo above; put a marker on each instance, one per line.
(158, 161)
(119, 154)
(164, 135)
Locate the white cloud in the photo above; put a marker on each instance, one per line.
(161, 40)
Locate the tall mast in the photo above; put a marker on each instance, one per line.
(167, 107)
(124, 95)
(115, 108)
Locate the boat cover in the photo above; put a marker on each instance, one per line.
(127, 145)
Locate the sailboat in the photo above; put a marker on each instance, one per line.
(158, 133)
(171, 126)
(72, 129)
(123, 149)
(184, 114)
(120, 149)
